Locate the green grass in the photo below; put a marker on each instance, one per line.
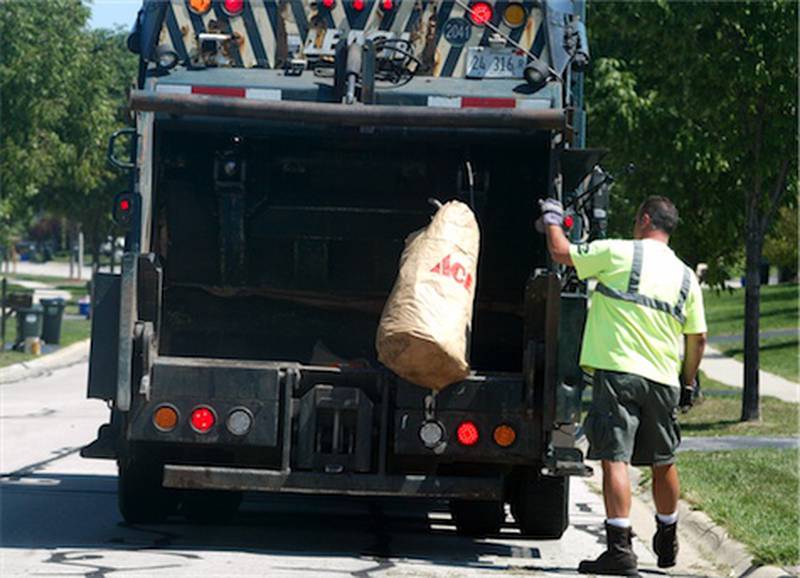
(725, 311)
(718, 415)
(753, 493)
(778, 355)
(72, 331)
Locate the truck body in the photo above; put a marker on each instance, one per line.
(282, 152)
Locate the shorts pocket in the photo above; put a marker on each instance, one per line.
(598, 429)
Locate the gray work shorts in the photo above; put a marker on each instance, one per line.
(632, 419)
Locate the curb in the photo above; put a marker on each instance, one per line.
(700, 531)
(70, 355)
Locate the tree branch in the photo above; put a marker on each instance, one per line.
(774, 198)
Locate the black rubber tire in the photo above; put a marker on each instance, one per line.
(140, 496)
(540, 507)
(477, 518)
(209, 506)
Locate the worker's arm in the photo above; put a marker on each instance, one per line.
(695, 345)
(558, 245)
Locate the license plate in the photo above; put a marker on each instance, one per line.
(485, 62)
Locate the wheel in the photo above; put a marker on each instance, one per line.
(140, 496)
(477, 519)
(209, 506)
(541, 506)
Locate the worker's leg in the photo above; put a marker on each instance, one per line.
(666, 489)
(616, 490)
(611, 429)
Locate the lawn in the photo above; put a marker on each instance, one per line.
(778, 355)
(779, 310)
(718, 415)
(753, 493)
(72, 331)
(725, 310)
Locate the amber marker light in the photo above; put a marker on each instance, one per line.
(200, 6)
(504, 435)
(165, 418)
(514, 15)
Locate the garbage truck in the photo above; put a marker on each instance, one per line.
(281, 152)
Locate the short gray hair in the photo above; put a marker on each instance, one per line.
(662, 211)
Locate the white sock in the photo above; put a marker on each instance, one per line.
(668, 519)
(619, 522)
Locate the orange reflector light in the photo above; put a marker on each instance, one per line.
(480, 13)
(200, 6)
(165, 418)
(203, 419)
(504, 435)
(467, 433)
(514, 15)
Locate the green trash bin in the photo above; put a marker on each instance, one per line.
(29, 322)
(53, 314)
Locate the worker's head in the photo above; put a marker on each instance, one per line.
(656, 218)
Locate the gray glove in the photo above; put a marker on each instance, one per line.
(552, 214)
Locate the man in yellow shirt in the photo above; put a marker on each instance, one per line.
(646, 300)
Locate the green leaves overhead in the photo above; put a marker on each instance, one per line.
(62, 92)
(702, 96)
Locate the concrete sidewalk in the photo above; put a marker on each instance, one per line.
(731, 372)
(49, 269)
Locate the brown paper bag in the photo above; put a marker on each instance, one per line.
(425, 326)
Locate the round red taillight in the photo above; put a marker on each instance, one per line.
(233, 7)
(124, 205)
(467, 433)
(569, 221)
(387, 5)
(358, 5)
(328, 3)
(480, 13)
(203, 419)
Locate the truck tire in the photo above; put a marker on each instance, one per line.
(140, 496)
(541, 507)
(209, 506)
(477, 519)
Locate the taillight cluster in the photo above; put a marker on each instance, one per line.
(230, 7)
(468, 434)
(202, 419)
(357, 5)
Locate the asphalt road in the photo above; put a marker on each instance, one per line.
(58, 517)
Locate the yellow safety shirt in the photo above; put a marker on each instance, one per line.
(646, 299)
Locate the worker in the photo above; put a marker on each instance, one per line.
(645, 300)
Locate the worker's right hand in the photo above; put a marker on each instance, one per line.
(552, 214)
(690, 395)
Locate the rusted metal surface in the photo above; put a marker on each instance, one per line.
(348, 115)
(250, 479)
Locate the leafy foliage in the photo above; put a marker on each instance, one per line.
(62, 89)
(701, 96)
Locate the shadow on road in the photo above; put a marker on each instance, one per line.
(77, 514)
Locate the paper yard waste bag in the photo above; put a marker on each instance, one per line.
(425, 325)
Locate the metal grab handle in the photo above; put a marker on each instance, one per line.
(112, 141)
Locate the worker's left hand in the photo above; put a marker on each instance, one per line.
(552, 214)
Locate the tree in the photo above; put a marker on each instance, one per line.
(702, 96)
(62, 89)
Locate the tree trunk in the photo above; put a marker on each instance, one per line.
(750, 397)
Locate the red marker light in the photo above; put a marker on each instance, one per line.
(467, 433)
(233, 7)
(202, 419)
(480, 13)
(569, 221)
(387, 5)
(328, 4)
(358, 5)
(124, 205)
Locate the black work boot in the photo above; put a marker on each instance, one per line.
(665, 543)
(618, 559)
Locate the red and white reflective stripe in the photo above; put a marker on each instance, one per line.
(482, 102)
(229, 91)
